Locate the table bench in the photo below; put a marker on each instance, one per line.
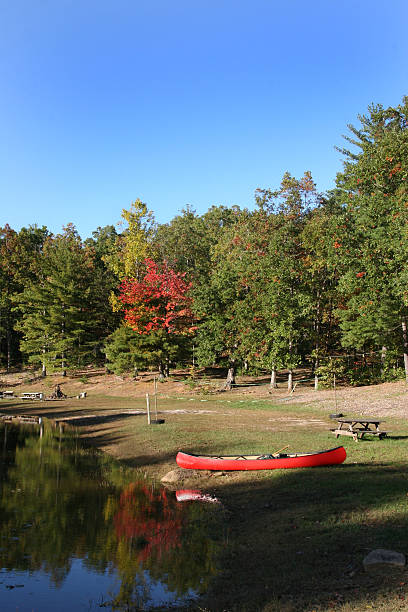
(358, 427)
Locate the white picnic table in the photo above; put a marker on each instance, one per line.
(32, 396)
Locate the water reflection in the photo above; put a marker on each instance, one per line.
(78, 533)
(195, 495)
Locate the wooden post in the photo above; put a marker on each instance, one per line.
(155, 396)
(148, 408)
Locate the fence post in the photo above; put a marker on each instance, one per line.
(148, 408)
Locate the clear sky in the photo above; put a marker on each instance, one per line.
(182, 102)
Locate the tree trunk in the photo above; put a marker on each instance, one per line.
(161, 371)
(230, 378)
(317, 346)
(383, 356)
(273, 384)
(290, 373)
(405, 343)
(290, 380)
(63, 366)
(8, 350)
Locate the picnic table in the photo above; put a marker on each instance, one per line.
(32, 396)
(357, 427)
(6, 393)
(23, 418)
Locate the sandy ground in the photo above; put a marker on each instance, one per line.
(386, 399)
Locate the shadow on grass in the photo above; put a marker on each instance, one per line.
(74, 415)
(91, 420)
(298, 537)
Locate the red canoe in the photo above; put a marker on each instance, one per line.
(261, 462)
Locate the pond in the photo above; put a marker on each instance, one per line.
(78, 531)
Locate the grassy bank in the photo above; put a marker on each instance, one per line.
(296, 538)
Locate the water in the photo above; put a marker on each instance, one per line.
(78, 532)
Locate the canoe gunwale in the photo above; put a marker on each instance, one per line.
(263, 457)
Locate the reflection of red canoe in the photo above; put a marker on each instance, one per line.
(261, 462)
(194, 495)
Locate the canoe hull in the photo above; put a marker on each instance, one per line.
(332, 456)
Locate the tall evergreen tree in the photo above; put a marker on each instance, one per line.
(374, 241)
(19, 253)
(57, 318)
(104, 284)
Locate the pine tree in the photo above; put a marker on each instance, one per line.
(374, 244)
(19, 253)
(57, 318)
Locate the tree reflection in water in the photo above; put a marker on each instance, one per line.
(150, 519)
(60, 502)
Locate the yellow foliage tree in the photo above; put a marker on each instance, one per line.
(133, 245)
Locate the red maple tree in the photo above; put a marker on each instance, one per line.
(159, 301)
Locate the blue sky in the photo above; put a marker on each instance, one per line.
(186, 102)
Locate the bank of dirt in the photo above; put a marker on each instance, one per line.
(386, 399)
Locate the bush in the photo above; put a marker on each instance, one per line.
(333, 367)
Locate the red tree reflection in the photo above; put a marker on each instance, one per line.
(150, 518)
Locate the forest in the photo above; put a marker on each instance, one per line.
(302, 279)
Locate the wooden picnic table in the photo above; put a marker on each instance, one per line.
(357, 427)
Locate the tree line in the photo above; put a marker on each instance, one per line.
(303, 278)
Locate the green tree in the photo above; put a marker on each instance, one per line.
(129, 351)
(373, 187)
(323, 268)
(19, 253)
(286, 303)
(186, 241)
(58, 321)
(104, 284)
(221, 300)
